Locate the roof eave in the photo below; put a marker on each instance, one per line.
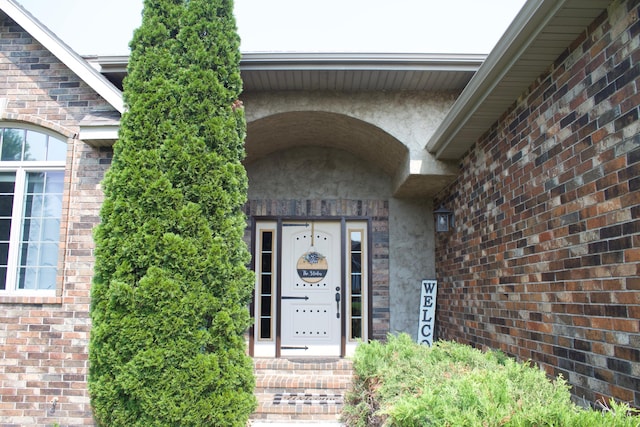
(468, 116)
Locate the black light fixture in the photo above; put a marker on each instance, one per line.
(444, 219)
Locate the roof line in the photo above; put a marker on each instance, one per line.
(64, 53)
(264, 61)
(352, 60)
(527, 24)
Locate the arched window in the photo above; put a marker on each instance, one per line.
(31, 188)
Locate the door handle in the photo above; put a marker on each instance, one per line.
(338, 302)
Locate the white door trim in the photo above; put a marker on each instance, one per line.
(354, 277)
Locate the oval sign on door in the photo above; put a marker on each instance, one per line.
(312, 267)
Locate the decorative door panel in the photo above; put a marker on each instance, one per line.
(311, 291)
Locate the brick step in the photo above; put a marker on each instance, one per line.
(303, 364)
(301, 390)
(304, 383)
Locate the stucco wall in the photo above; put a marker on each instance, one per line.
(410, 117)
(411, 259)
(315, 173)
(545, 258)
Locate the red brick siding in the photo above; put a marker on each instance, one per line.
(545, 257)
(43, 341)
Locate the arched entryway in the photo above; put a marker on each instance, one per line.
(319, 189)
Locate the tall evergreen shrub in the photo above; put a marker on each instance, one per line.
(171, 286)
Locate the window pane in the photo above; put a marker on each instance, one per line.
(5, 229)
(266, 284)
(356, 284)
(52, 206)
(5, 224)
(356, 328)
(265, 306)
(7, 185)
(4, 253)
(27, 278)
(40, 231)
(36, 147)
(356, 238)
(29, 254)
(6, 205)
(7, 182)
(31, 227)
(356, 266)
(33, 205)
(51, 229)
(47, 278)
(12, 141)
(56, 149)
(356, 306)
(49, 254)
(35, 183)
(266, 262)
(265, 328)
(267, 241)
(55, 181)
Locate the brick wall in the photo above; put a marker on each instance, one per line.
(43, 341)
(544, 260)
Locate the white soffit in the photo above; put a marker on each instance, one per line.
(352, 72)
(539, 34)
(347, 72)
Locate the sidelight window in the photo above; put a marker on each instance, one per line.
(266, 283)
(356, 281)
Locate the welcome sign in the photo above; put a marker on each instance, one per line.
(427, 323)
(312, 267)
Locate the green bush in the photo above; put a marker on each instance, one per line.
(401, 383)
(171, 286)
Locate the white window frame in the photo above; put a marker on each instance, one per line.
(21, 169)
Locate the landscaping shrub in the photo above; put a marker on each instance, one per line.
(401, 383)
(171, 286)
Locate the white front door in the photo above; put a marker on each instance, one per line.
(311, 289)
(301, 265)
